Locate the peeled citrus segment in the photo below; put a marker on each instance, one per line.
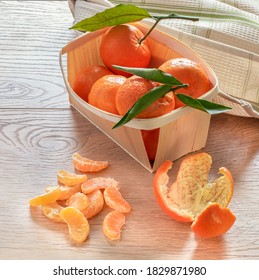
(112, 225)
(97, 183)
(191, 193)
(70, 179)
(46, 198)
(78, 200)
(88, 165)
(65, 191)
(114, 200)
(52, 211)
(77, 223)
(96, 203)
(213, 221)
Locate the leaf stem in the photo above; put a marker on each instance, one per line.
(157, 20)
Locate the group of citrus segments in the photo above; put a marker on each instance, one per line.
(191, 198)
(76, 199)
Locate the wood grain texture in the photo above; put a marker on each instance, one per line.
(39, 131)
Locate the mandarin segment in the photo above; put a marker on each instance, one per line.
(84, 164)
(70, 179)
(52, 211)
(77, 223)
(98, 183)
(46, 198)
(112, 225)
(96, 203)
(78, 200)
(114, 200)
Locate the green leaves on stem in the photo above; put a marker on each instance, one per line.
(123, 13)
(169, 83)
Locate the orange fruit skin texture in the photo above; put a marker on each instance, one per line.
(103, 93)
(120, 46)
(187, 72)
(210, 217)
(134, 88)
(213, 221)
(86, 78)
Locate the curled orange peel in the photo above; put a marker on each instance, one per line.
(193, 198)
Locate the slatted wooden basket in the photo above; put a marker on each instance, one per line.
(182, 131)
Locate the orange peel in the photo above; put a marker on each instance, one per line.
(193, 198)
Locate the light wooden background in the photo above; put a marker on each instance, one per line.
(39, 131)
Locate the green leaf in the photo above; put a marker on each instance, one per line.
(203, 105)
(152, 74)
(113, 16)
(144, 102)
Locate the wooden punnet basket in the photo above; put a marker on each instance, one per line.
(182, 131)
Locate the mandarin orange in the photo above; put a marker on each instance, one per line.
(104, 91)
(85, 79)
(112, 225)
(134, 88)
(120, 46)
(188, 72)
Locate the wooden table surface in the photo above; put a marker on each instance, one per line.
(39, 131)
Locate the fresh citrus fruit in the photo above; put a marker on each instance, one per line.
(96, 203)
(112, 225)
(114, 200)
(98, 183)
(70, 179)
(77, 223)
(104, 91)
(46, 198)
(191, 194)
(134, 88)
(120, 46)
(52, 211)
(65, 191)
(86, 78)
(188, 72)
(84, 164)
(150, 139)
(78, 200)
(213, 221)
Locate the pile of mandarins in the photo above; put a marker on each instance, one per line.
(115, 91)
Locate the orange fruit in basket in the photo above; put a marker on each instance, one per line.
(84, 164)
(120, 46)
(193, 198)
(188, 72)
(96, 203)
(70, 179)
(104, 91)
(85, 79)
(114, 200)
(134, 88)
(77, 223)
(112, 225)
(98, 183)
